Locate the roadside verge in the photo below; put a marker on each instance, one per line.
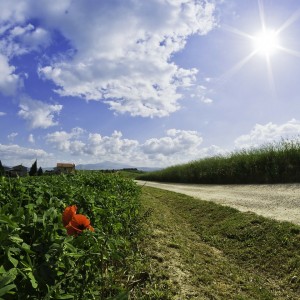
(201, 250)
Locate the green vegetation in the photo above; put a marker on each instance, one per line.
(132, 174)
(201, 250)
(273, 163)
(150, 245)
(38, 260)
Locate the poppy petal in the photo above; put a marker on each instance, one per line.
(68, 214)
(79, 221)
(91, 228)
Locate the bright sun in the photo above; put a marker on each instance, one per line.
(266, 42)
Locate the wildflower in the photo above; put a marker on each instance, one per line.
(68, 214)
(77, 224)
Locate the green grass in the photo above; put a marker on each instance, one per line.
(272, 163)
(201, 250)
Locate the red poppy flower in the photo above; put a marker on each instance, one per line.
(68, 214)
(78, 224)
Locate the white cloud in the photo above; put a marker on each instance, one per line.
(200, 93)
(13, 11)
(123, 50)
(176, 147)
(31, 138)
(206, 100)
(2, 113)
(12, 136)
(9, 81)
(24, 39)
(268, 133)
(177, 142)
(212, 151)
(16, 154)
(38, 114)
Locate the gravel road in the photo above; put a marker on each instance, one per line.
(277, 201)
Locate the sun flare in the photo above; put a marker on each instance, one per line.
(266, 42)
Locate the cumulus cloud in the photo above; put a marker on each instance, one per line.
(176, 147)
(268, 133)
(122, 50)
(38, 114)
(9, 81)
(15, 152)
(24, 39)
(177, 142)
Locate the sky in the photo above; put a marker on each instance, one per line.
(146, 83)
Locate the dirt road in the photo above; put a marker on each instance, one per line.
(277, 201)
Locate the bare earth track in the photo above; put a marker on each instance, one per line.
(276, 201)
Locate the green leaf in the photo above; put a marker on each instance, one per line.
(32, 280)
(26, 247)
(70, 247)
(65, 297)
(11, 259)
(8, 278)
(7, 288)
(74, 255)
(7, 220)
(16, 239)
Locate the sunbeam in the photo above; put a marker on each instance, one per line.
(266, 43)
(271, 77)
(232, 71)
(293, 18)
(261, 15)
(289, 51)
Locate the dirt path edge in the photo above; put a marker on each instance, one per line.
(276, 201)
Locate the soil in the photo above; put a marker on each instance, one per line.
(276, 201)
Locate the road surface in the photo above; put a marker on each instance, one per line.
(276, 201)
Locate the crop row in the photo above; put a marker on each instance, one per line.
(271, 163)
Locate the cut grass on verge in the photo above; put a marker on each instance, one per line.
(201, 250)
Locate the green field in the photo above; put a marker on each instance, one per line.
(146, 244)
(38, 260)
(272, 163)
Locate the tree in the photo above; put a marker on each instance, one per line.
(33, 169)
(40, 171)
(2, 170)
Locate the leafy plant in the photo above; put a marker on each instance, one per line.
(39, 260)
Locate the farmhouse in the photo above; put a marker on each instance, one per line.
(65, 168)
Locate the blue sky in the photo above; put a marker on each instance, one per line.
(147, 83)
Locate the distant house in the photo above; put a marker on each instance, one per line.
(16, 171)
(65, 168)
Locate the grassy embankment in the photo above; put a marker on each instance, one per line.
(272, 163)
(201, 250)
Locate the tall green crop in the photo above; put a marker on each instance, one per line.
(271, 163)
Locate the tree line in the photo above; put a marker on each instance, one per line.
(34, 170)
